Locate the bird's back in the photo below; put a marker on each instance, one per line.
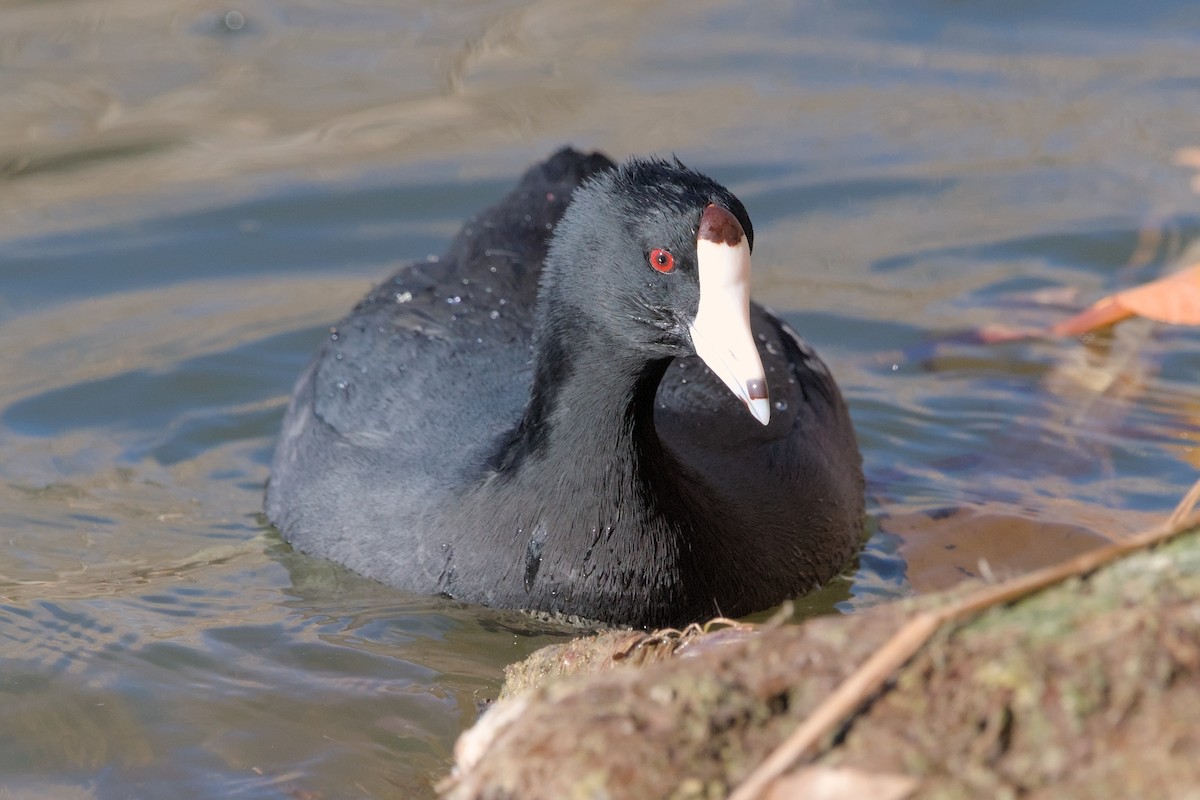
(404, 399)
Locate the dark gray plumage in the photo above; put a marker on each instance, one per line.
(562, 449)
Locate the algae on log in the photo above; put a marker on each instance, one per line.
(1087, 689)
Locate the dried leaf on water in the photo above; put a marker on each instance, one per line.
(1173, 299)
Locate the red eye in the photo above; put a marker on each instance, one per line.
(662, 260)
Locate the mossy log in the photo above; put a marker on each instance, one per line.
(1088, 689)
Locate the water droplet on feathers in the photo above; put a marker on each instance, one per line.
(533, 555)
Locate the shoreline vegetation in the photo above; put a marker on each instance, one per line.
(1076, 680)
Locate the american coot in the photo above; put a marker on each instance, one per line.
(568, 412)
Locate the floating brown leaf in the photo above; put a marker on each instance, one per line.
(1174, 299)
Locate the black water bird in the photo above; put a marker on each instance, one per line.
(577, 410)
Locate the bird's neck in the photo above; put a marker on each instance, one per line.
(592, 400)
(602, 508)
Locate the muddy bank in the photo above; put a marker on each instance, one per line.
(1085, 690)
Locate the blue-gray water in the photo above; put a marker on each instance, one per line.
(189, 197)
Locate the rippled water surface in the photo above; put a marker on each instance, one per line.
(191, 193)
